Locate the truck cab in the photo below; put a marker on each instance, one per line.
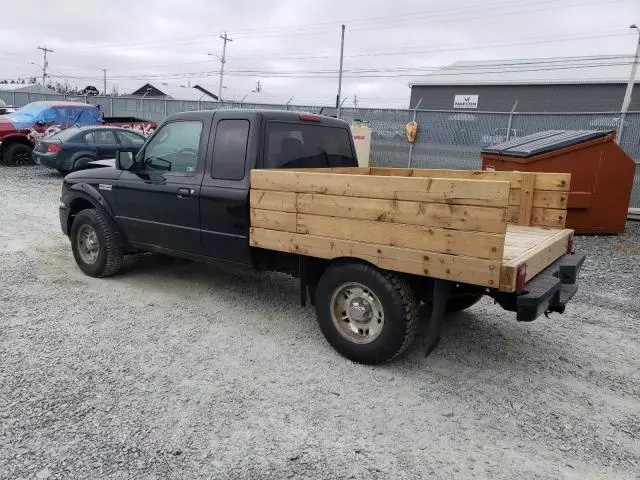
(186, 192)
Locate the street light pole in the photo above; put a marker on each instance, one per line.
(45, 64)
(627, 93)
(338, 103)
(225, 38)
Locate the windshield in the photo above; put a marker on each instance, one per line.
(31, 109)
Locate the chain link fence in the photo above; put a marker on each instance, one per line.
(446, 139)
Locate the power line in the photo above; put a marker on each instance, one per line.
(434, 49)
(372, 73)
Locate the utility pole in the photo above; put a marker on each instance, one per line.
(627, 93)
(355, 100)
(104, 81)
(225, 38)
(45, 64)
(338, 104)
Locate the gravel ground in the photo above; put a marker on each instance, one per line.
(180, 370)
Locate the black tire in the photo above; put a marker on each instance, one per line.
(109, 254)
(17, 155)
(398, 304)
(81, 163)
(458, 304)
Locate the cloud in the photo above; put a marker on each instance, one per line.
(280, 41)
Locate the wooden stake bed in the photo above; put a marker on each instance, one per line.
(449, 224)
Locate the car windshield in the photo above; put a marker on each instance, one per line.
(31, 109)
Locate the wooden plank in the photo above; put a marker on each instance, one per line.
(474, 271)
(456, 242)
(273, 220)
(273, 200)
(543, 255)
(455, 191)
(541, 198)
(540, 254)
(526, 198)
(341, 170)
(458, 217)
(540, 217)
(544, 181)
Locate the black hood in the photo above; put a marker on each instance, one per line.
(98, 170)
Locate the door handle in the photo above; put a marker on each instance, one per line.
(185, 192)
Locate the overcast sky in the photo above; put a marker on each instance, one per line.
(292, 46)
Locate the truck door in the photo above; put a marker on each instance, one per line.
(158, 204)
(224, 196)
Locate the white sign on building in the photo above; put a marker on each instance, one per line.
(465, 101)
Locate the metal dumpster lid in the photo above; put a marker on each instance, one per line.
(543, 142)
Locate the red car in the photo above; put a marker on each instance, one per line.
(19, 130)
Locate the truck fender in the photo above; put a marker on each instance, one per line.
(16, 138)
(88, 193)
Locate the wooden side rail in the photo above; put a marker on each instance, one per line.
(450, 228)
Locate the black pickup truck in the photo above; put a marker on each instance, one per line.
(186, 194)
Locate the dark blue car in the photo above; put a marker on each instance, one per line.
(74, 148)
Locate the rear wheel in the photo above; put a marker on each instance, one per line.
(81, 162)
(17, 155)
(367, 315)
(457, 304)
(94, 245)
(462, 297)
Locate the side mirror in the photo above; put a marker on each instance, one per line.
(125, 160)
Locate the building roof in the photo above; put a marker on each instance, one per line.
(24, 87)
(533, 71)
(177, 92)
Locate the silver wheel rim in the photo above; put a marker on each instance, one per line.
(88, 245)
(357, 313)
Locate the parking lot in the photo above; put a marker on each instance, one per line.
(173, 369)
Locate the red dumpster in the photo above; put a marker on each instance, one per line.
(601, 173)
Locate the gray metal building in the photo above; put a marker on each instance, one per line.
(569, 84)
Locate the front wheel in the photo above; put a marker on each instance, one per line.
(94, 245)
(18, 155)
(367, 315)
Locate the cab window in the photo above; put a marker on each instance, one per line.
(175, 148)
(294, 145)
(230, 149)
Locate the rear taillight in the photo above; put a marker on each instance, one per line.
(521, 278)
(53, 148)
(570, 245)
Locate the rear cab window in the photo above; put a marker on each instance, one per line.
(297, 145)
